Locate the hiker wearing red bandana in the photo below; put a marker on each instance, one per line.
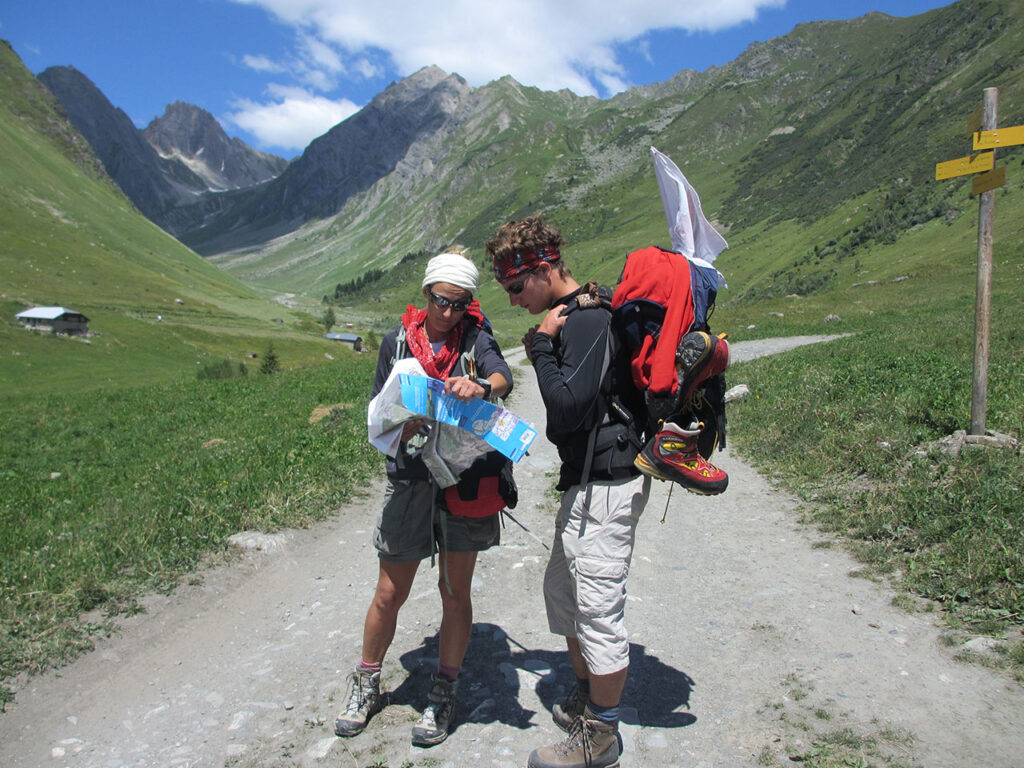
(603, 494)
(452, 341)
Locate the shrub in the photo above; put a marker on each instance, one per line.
(222, 369)
(271, 363)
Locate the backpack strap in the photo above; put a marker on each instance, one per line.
(399, 345)
(467, 360)
(591, 296)
(588, 460)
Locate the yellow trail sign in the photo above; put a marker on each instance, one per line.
(1001, 137)
(964, 165)
(988, 181)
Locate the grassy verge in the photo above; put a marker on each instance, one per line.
(853, 428)
(817, 733)
(107, 494)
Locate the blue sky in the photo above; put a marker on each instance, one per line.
(279, 73)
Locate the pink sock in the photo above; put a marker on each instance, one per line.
(365, 666)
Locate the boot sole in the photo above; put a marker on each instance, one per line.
(424, 741)
(344, 734)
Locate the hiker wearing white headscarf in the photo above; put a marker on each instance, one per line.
(452, 341)
(452, 268)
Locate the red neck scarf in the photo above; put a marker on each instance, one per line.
(437, 366)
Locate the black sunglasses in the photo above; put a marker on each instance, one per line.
(516, 288)
(443, 302)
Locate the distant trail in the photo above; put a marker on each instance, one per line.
(738, 615)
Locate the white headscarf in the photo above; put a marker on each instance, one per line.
(452, 268)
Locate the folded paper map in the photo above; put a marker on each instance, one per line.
(496, 426)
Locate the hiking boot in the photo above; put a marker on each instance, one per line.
(699, 356)
(432, 727)
(566, 711)
(364, 701)
(672, 455)
(591, 743)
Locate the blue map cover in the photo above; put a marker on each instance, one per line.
(497, 426)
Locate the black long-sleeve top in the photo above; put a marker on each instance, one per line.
(569, 375)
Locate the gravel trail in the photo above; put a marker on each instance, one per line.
(749, 635)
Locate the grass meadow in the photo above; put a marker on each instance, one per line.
(109, 493)
(853, 426)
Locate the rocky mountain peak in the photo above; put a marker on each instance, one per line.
(183, 128)
(193, 136)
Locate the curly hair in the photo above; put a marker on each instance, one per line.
(529, 234)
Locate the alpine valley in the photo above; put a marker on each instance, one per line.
(808, 151)
(195, 257)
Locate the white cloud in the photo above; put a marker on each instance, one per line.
(366, 68)
(574, 44)
(291, 119)
(550, 45)
(262, 64)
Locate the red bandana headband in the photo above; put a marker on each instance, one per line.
(517, 264)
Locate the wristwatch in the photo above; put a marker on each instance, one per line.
(487, 388)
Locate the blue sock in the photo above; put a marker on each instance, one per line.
(604, 714)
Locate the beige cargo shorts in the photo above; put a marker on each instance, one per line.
(585, 581)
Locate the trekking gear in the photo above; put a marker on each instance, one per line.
(660, 309)
(659, 317)
(591, 743)
(487, 486)
(484, 488)
(432, 727)
(570, 708)
(364, 701)
(672, 454)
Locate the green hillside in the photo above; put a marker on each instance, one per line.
(70, 238)
(814, 153)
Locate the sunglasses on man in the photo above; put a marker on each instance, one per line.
(443, 302)
(516, 288)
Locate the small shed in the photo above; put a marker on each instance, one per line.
(348, 338)
(55, 319)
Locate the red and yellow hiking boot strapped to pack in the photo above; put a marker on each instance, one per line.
(660, 311)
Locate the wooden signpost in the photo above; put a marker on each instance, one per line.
(985, 136)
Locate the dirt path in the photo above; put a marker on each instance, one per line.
(748, 636)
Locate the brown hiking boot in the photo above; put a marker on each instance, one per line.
(435, 722)
(571, 707)
(591, 743)
(364, 701)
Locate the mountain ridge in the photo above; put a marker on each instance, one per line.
(161, 168)
(791, 129)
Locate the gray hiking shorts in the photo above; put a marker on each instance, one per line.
(585, 581)
(411, 528)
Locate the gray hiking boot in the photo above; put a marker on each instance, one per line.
(566, 711)
(364, 701)
(590, 744)
(432, 727)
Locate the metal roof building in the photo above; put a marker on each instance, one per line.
(57, 319)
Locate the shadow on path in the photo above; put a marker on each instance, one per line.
(496, 666)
